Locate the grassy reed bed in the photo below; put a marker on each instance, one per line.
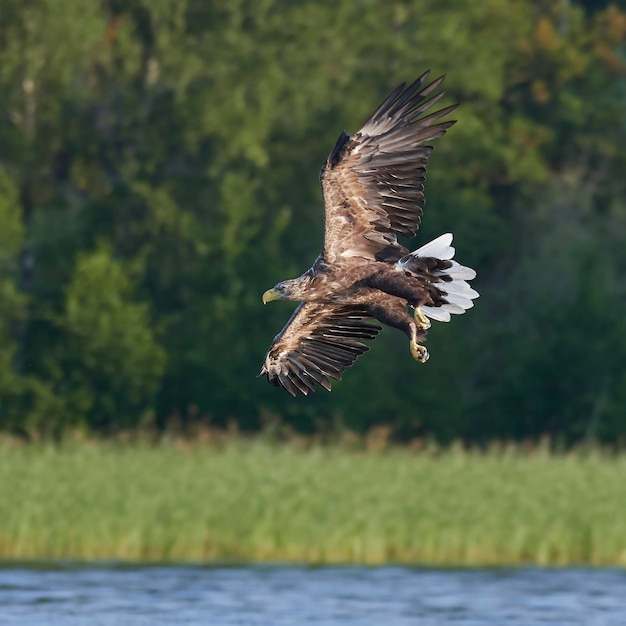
(256, 501)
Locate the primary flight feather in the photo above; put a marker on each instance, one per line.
(373, 186)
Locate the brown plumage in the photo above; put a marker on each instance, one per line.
(373, 191)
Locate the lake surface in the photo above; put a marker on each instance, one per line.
(71, 595)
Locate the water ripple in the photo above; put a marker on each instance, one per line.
(70, 595)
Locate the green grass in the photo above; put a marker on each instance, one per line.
(256, 501)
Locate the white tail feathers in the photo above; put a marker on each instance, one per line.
(456, 292)
(440, 248)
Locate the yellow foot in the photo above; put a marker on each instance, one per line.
(419, 352)
(423, 323)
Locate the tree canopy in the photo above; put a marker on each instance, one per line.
(158, 172)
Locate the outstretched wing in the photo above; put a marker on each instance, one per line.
(318, 342)
(373, 182)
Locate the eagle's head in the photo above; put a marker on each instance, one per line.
(286, 290)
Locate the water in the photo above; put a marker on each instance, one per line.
(290, 596)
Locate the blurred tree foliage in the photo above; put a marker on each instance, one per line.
(158, 171)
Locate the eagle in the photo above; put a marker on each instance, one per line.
(373, 189)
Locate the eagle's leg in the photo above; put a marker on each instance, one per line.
(394, 314)
(420, 319)
(402, 286)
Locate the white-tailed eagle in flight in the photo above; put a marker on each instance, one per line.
(373, 186)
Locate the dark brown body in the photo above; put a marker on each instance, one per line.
(384, 290)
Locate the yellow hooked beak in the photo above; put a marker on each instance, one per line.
(269, 295)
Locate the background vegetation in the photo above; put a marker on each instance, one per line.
(158, 172)
(258, 501)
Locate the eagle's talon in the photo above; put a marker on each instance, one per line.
(423, 323)
(419, 352)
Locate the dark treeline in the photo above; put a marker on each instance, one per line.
(158, 172)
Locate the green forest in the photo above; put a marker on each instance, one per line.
(159, 171)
